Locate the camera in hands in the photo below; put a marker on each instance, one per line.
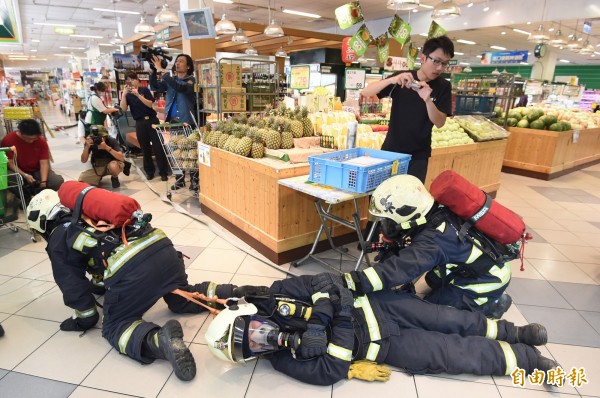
(95, 135)
(147, 52)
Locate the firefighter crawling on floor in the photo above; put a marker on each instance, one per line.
(314, 330)
(463, 267)
(136, 273)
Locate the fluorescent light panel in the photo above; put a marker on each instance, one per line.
(108, 45)
(66, 25)
(566, 61)
(458, 53)
(117, 11)
(498, 48)
(465, 41)
(426, 6)
(34, 40)
(71, 48)
(88, 36)
(223, 1)
(522, 31)
(301, 13)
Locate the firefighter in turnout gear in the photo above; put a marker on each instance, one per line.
(136, 274)
(467, 272)
(314, 330)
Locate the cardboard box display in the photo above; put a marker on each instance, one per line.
(231, 75)
(208, 75)
(232, 99)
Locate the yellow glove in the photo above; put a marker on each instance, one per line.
(370, 371)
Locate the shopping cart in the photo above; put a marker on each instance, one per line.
(11, 184)
(180, 144)
(124, 124)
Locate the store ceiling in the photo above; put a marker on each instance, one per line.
(249, 13)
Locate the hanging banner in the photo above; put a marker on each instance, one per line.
(383, 47)
(10, 23)
(399, 30)
(435, 30)
(503, 57)
(300, 77)
(355, 78)
(348, 55)
(396, 63)
(349, 15)
(360, 41)
(412, 56)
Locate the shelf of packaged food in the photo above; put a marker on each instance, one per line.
(244, 196)
(479, 162)
(549, 154)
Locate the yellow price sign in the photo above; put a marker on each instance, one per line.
(299, 77)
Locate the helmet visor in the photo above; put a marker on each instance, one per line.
(262, 335)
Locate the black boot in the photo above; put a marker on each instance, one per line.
(127, 168)
(496, 309)
(532, 334)
(1, 331)
(544, 364)
(167, 343)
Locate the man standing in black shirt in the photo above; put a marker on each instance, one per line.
(420, 99)
(140, 100)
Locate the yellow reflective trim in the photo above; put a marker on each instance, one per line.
(210, 292)
(503, 274)
(349, 281)
(86, 313)
(481, 300)
(308, 314)
(124, 254)
(412, 223)
(475, 253)
(372, 276)
(84, 240)
(492, 329)
(363, 302)
(442, 227)
(372, 351)
(509, 355)
(318, 296)
(339, 352)
(126, 335)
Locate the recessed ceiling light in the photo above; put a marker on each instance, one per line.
(551, 30)
(71, 48)
(465, 41)
(116, 11)
(502, 33)
(528, 22)
(486, 9)
(458, 53)
(223, 1)
(522, 31)
(301, 13)
(33, 51)
(464, 63)
(88, 36)
(55, 24)
(566, 61)
(498, 48)
(426, 6)
(34, 40)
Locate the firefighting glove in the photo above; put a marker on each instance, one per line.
(249, 290)
(325, 280)
(74, 324)
(342, 300)
(314, 341)
(369, 371)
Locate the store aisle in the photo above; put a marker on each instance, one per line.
(559, 288)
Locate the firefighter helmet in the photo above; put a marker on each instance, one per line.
(44, 207)
(402, 199)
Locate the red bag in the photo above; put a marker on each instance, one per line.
(99, 204)
(467, 201)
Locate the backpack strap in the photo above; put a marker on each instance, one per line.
(487, 205)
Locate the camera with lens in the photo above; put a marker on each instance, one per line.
(95, 135)
(146, 54)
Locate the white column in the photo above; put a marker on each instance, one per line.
(543, 68)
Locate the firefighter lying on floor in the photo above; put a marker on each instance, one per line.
(423, 239)
(135, 276)
(312, 329)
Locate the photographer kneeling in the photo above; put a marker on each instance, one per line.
(107, 158)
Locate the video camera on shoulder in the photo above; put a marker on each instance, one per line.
(146, 54)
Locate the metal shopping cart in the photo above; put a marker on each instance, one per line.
(180, 143)
(11, 184)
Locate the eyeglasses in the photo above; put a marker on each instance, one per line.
(437, 62)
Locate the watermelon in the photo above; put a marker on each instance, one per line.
(536, 124)
(566, 125)
(550, 119)
(555, 127)
(515, 113)
(523, 123)
(511, 122)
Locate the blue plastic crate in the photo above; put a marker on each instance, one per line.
(474, 104)
(329, 169)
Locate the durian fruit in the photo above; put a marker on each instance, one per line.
(273, 139)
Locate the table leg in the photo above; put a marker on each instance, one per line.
(316, 242)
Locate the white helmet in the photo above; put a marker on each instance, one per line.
(402, 199)
(44, 207)
(225, 335)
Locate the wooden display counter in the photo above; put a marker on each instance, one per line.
(480, 163)
(549, 154)
(243, 195)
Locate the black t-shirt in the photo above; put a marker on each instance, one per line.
(98, 154)
(410, 127)
(137, 107)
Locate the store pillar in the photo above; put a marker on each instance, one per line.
(198, 48)
(543, 68)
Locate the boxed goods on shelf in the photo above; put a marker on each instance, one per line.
(480, 128)
(231, 75)
(18, 113)
(357, 169)
(232, 99)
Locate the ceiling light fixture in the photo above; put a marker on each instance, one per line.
(55, 24)
(251, 50)
(458, 53)
(426, 6)
(468, 69)
(446, 9)
(498, 48)
(402, 4)
(273, 29)
(487, 6)
(239, 37)
(281, 52)
(558, 39)
(470, 4)
(166, 17)
(225, 27)
(539, 35)
(465, 41)
(522, 31)
(71, 48)
(495, 72)
(116, 40)
(88, 36)
(116, 11)
(566, 61)
(587, 48)
(302, 13)
(223, 1)
(143, 27)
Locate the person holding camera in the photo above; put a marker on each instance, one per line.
(140, 100)
(32, 161)
(97, 110)
(181, 98)
(107, 158)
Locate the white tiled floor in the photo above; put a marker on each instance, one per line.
(559, 286)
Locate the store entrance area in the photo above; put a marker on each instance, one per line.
(560, 288)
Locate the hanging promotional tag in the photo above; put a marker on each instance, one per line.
(435, 30)
(349, 15)
(399, 30)
(383, 47)
(411, 57)
(360, 41)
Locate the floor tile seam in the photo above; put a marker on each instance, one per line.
(576, 394)
(585, 272)
(45, 378)
(445, 377)
(35, 299)
(32, 352)
(586, 320)
(252, 377)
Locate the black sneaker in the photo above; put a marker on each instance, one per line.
(164, 178)
(127, 168)
(115, 182)
(172, 346)
(149, 176)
